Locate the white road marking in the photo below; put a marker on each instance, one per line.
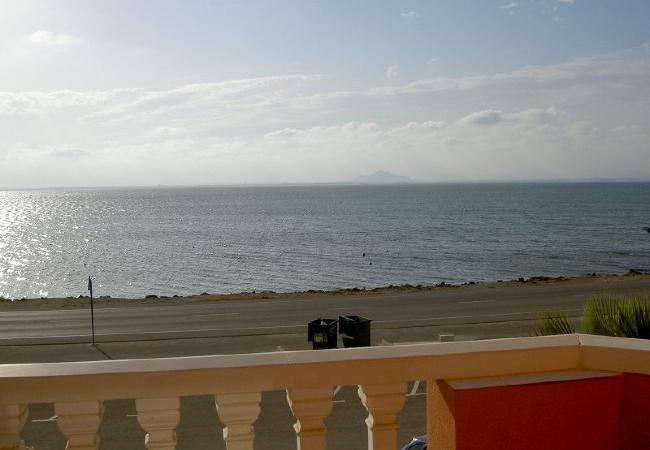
(162, 332)
(477, 301)
(51, 419)
(472, 317)
(414, 390)
(217, 314)
(336, 391)
(168, 332)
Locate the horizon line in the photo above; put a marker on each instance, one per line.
(335, 183)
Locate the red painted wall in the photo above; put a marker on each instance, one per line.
(636, 412)
(571, 415)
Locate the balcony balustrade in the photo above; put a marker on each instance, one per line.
(456, 373)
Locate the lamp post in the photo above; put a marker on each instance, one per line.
(92, 309)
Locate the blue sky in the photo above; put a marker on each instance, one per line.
(200, 92)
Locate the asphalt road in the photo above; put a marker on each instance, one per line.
(469, 305)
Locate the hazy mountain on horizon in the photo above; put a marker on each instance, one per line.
(382, 177)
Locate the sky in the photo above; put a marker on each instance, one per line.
(126, 93)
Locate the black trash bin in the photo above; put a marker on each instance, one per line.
(322, 333)
(355, 331)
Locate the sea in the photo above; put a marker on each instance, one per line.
(178, 241)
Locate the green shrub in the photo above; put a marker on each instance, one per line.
(634, 318)
(605, 315)
(554, 323)
(601, 315)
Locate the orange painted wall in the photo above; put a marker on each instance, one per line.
(582, 414)
(636, 412)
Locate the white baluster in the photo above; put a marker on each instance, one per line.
(383, 402)
(310, 407)
(159, 418)
(12, 420)
(238, 412)
(79, 422)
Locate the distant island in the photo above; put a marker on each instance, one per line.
(382, 177)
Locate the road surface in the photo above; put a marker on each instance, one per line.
(471, 305)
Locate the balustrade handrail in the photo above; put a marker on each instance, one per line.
(281, 370)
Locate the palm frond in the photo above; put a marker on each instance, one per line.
(634, 318)
(602, 315)
(553, 323)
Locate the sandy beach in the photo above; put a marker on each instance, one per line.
(632, 280)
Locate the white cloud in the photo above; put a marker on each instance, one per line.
(165, 132)
(485, 117)
(391, 72)
(284, 133)
(433, 61)
(569, 2)
(646, 46)
(226, 103)
(36, 103)
(49, 38)
(510, 7)
(67, 153)
(578, 70)
(534, 143)
(484, 145)
(533, 122)
(410, 15)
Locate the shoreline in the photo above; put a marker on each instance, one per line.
(406, 289)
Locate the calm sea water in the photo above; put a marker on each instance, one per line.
(191, 240)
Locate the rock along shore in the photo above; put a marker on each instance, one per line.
(82, 301)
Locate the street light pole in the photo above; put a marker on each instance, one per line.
(92, 309)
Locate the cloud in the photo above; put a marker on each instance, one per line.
(284, 133)
(51, 39)
(646, 46)
(485, 117)
(263, 103)
(489, 144)
(167, 132)
(510, 7)
(67, 153)
(38, 103)
(568, 2)
(522, 144)
(410, 15)
(221, 100)
(391, 72)
(532, 122)
(533, 116)
(608, 68)
(433, 61)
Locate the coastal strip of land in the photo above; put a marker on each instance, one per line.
(59, 330)
(468, 288)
